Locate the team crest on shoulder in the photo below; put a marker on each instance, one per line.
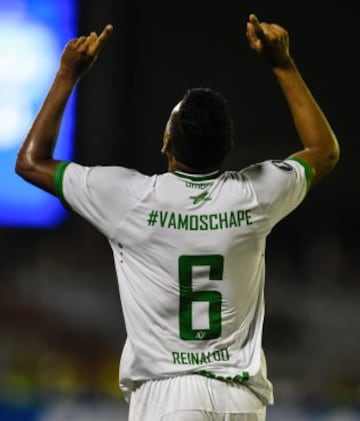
(282, 165)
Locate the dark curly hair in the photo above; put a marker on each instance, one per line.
(201, 131)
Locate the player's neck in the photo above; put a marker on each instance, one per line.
(174, 165)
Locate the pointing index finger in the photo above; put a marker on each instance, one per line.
(105, 34)
(257, 27)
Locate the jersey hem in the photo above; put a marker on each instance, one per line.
(240, 378)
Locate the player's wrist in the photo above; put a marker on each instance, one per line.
(286, 64)
(67, 75)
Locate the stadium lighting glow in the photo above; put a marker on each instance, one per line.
(32, 36)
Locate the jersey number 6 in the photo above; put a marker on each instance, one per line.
(187, 296)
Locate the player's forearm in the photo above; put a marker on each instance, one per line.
(40, 142)
(311, 124)
(35, 161)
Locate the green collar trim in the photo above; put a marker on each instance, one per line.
(58, 181)
(198, 177)
(308, 170)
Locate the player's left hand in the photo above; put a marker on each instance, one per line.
(80, 53)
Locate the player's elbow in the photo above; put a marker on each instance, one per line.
(332, 156)
(24, 165)
(325, 161)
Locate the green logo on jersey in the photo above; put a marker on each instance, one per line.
(202, 197)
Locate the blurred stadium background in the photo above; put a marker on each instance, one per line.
(61, 326)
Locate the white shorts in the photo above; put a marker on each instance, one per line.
(194, 398)
(212, 416)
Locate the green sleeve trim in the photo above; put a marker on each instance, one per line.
(58, 181)
(308, 171)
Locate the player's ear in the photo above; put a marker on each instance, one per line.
(166, 143)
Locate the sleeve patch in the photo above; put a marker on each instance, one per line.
(308, 170)
(282, 165)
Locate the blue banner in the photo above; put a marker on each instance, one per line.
(33, 34)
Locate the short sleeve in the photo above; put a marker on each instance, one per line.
(280, 186)
(100, 194)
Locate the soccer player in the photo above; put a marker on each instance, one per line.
(189, 244)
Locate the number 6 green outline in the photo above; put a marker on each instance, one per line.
(188, 296)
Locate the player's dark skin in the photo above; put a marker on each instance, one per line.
(320, 150)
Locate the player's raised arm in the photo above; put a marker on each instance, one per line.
(35, 161)
(320, 146)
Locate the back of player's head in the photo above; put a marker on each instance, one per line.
(201, 129)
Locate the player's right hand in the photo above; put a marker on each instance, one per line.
(80, 53)
(269, 39)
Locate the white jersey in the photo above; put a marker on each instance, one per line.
(189, 257)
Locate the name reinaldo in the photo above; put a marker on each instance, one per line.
(199, 222)
(198, 358)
